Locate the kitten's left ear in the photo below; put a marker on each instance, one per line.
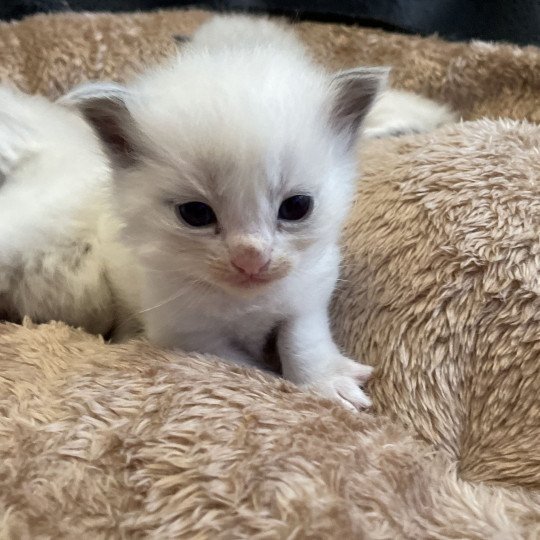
(104, 106)
(354, 92)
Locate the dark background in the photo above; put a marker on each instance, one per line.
(516, 21)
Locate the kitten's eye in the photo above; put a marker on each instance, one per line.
(196, 214)
(295, 208)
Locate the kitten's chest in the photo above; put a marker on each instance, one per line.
(251, 331)
(254, 322)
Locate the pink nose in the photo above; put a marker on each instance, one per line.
(249, 262)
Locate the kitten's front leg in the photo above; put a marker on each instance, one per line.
(311, 359)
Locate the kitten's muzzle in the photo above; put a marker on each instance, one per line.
(250, 262)
(265, 274)
(252, 270)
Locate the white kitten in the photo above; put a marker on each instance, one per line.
(235, 170)
(59, 251)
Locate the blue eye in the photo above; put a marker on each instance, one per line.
(295, 208)
(196, 214)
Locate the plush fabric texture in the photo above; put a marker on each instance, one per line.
(125, 441)
(440, 291)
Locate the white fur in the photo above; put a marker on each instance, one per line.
(59, 251)
(400, 113)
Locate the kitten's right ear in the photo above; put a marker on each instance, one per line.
(103, 105)
(354, 92)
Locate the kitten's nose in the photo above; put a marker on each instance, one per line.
(250, 261)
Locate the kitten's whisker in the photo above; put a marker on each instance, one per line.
(171, 298)
(162, 270)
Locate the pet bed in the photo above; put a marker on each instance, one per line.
(440, 292)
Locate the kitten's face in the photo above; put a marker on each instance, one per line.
(230, 174)
(237, 218)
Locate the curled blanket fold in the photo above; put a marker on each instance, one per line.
(440, 292)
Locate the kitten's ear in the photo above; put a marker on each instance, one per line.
(103, 105)
(354, 92)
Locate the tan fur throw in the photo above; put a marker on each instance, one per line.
(440, 291)
(104, 441)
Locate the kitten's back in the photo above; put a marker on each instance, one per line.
(59, 258)
(49, 160)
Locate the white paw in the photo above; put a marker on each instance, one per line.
(341, 383)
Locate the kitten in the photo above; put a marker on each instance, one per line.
(236, 167)
(60, 256)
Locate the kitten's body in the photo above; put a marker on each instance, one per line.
(239, 123)
(59, 252)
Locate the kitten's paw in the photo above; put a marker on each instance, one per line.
(341, 383)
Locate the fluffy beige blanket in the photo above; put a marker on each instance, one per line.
(440, 291)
